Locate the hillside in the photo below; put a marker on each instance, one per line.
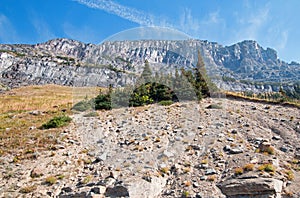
(183, 150)
(241, 67)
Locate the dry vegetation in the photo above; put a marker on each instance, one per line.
(237, 95)
(20, 134)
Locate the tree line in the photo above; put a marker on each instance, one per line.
(182, 85)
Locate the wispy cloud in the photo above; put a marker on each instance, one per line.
(83, 33)
(210, 26)
(42, 29)
(131, 14)
(188, 23)
(7, 31)
(252, 24)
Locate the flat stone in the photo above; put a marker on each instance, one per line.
(210, 171)
(236, 151)
(102, 157)
(284, 149)
(262, 187)
(276, 137)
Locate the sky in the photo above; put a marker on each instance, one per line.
(272, 23)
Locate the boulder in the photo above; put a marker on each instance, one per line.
(138, 188)
(252, 187)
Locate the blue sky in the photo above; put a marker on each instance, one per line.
(273, 23)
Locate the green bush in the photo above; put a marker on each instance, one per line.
(166, 102)
(83, 106)
(56, 122)
(103, 101)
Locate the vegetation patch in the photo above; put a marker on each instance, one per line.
(56, 122)
(91, 114)
(166, 102)
(28, 189)
(214, 106)
(51, 180)
(267, 168)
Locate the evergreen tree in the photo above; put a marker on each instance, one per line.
(147, 73)
(201, 79)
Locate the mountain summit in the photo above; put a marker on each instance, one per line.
(70, 62)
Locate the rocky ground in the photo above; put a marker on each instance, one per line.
(217, 147)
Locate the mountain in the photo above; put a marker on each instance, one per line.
(239, 67)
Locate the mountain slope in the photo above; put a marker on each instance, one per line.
(69, 62)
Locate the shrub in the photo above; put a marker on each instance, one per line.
(185, 194)
(103, 101)
(166, 102)
(249, 167)
(83, 106)
(289, 175)
(50, 180)
(205, 161)
(267, 168)
(28, 189)
(270, 150)
(238, 171)
(211, 178)
(165, 170)
(58, 121)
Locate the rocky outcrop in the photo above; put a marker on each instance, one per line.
(69, 62)
(252, 188)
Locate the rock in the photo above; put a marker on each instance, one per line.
(236, 150)
(101, 157)
(117, 191)
(36, 172)
(253, 187)
(297, 155)
(114, 174)
(234, 131)
(35, 113)
(227, 148)
(142, 188)
(276, 137)
(210, 171)
(109, 181)
(77, 195)
(167, 154)
(203, 178)
(200, 127)
(230, 139)
(284, 149)
(67, 189)
(98, 189)
(32, 128)
(264, 146)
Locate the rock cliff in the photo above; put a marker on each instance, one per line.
(70, 62)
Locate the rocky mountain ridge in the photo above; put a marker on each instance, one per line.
(70, 62)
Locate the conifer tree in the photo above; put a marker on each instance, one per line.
(147, 73)
(201, 79)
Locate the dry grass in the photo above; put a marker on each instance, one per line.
(19, 130)
(249, 167)
(238, 171)
(237, 95)
(43, 97)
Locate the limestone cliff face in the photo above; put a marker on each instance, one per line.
(70, 62)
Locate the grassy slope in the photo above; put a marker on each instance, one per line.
(19, 130)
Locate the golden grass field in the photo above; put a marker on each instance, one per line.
(19, 130)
